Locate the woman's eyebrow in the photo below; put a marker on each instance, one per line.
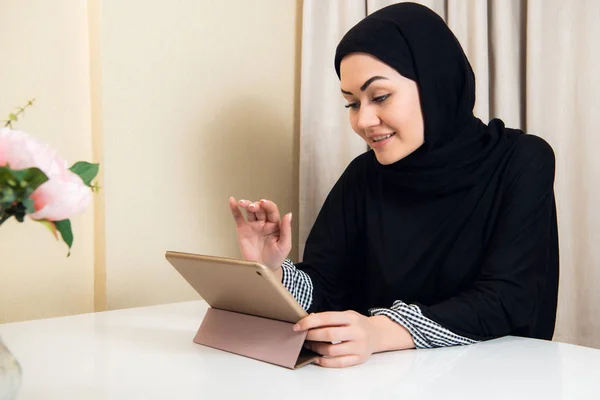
(366, 84)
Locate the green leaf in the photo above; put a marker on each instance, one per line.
(16, 187)
(12, 117)
(64, 227)
(5, 175)
(50, 225)
(28, 204)
(31, 178)
(86, 171)
(7, 196)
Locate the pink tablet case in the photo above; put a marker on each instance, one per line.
(259, 338)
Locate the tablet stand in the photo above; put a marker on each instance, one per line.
(259, 338)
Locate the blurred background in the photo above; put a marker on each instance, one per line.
(185, 103)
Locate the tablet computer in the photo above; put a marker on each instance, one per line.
(237, 285)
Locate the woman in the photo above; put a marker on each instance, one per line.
(444, 233)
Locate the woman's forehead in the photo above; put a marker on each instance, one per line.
(357, 68)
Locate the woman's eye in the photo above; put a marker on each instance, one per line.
(356, 105)
(381, 99)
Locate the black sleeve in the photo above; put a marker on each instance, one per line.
(517, 269)
(329, 255)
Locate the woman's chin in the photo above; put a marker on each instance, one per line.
(393, 153)
(385, 158)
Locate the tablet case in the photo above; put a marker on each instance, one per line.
(259, 338)
(232, 323)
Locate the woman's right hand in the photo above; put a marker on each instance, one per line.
(264, 237)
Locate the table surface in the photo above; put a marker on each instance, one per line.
(148, 353)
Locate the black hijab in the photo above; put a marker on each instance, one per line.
(459, 150)
(464, 227)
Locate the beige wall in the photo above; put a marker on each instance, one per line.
(190, 102)
(198, 105)
(44, 47)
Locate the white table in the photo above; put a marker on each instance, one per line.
(148, 353)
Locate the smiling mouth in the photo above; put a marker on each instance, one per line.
(381, 138)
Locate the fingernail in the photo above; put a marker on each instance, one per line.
(263, 201)
(290, 216)
(296, 327)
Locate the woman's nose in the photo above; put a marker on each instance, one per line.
(367, 117)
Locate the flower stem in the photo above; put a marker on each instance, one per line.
(4, 218)
(15, 116)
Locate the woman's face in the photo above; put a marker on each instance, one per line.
(384, 107)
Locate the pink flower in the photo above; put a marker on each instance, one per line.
(19, 151)
(62, 197)
(64, 194)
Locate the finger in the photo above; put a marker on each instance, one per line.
(331, 334)
(271, 209)
(285, 235)
(245, 204)
(333, 350)
(338, 362)
(235, 211)
(260, 212)
(330, 318)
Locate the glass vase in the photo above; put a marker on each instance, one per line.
(10, 374)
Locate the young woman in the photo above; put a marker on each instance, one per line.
(443, 233)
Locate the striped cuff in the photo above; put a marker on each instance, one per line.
(425, 332)
(298, 283)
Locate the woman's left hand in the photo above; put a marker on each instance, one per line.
(356, 336)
